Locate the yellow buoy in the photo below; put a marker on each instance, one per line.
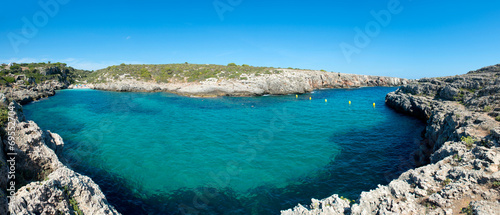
(374, 104)
(349, 102)
(326, 100)
(309, 98)
(296, 96)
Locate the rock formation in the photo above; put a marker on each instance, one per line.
(24, 94)
(48, 186)
(462, 140)
(287, 82)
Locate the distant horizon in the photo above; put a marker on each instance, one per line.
(394, 38)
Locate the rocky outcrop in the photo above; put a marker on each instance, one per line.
(48, 186)
(62, 192)
(286, 82)
(24, 94)
(462, 140)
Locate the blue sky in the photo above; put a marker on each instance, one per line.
(423, 38)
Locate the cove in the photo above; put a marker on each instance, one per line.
(159, 153)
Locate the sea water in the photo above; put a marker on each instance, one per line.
(159, 153)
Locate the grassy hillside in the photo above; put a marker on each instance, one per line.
(178, 72)
(35, 73)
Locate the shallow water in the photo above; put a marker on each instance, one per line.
(159, 153)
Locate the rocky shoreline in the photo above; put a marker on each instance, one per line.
(48, 185)
(44, 185)
(461, 147)
(288, 81)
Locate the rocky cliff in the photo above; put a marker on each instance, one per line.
(47, 186)
(461, 150)
(24, 94)
(288, 81)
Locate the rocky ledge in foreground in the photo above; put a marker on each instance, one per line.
(461, 147)
(288, 81)
(49, 186)
(25, 94)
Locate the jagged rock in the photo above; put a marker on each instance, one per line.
(331, 205)
(461, 171)
(4, 102)
(56, 189)
(54, 142)
(286, 82)
(448, 92)
(485, 207)
(26, 94)
(59, 194)
(34, 158)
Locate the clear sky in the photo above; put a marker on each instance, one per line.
(422, 38)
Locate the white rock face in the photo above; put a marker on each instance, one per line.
(58, 189)
(286, 82)
(54, 195)
(463, 174)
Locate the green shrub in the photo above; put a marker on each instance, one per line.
(446, 182)
(15, 67)
(179, 72)
(496, 184)
(346, 199)
(144, 73)
(487, 109)
(4, 116)
(469, 141)
(75, 207)
(467, 210)
(497, 118)
(9, 79)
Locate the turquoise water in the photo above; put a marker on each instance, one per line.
(159, 153)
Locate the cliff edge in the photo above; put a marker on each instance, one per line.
(47, 186)
(284, 81)
(461, 152)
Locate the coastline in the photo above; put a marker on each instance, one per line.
(286, 82)
(421, 190)
(461, 152)
(45, 185)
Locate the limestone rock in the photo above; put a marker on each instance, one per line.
(57, 189)
(461, 146)
(286, 82)
(59, 194)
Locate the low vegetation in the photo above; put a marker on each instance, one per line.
(166, 73)
(446, 182)
(496, 184)
(72, 201)
(469, 141)
(467, 210)
(35, 73)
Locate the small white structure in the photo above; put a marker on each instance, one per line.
(11, 64)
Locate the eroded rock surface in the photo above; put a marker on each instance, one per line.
(286, 82)
(52, 188)
(461, 150)
(25, 94)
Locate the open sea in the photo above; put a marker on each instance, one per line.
(159, 153)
